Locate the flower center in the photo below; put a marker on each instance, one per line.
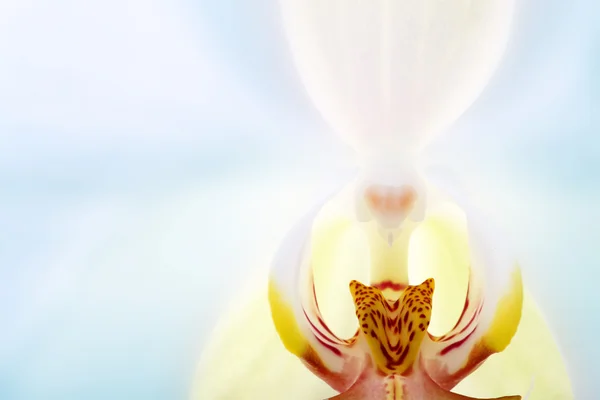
(393, 329)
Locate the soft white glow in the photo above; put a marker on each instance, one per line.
(387, 74)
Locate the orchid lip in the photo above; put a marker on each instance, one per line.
(393, 329)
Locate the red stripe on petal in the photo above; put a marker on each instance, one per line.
(456, 345)
(389, 285)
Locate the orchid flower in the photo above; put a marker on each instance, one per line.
(392, 355)
(396, 286)
(478, 312)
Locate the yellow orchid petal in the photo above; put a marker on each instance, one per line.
(297, 316)
(332, 229)
(531, 363)
(440, 248)
(491, 310)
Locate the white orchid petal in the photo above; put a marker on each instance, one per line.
(386, 73)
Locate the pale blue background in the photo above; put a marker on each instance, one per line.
(153, 153)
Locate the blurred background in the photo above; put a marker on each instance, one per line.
(153, 154)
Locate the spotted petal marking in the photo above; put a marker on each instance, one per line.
(393, 329)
